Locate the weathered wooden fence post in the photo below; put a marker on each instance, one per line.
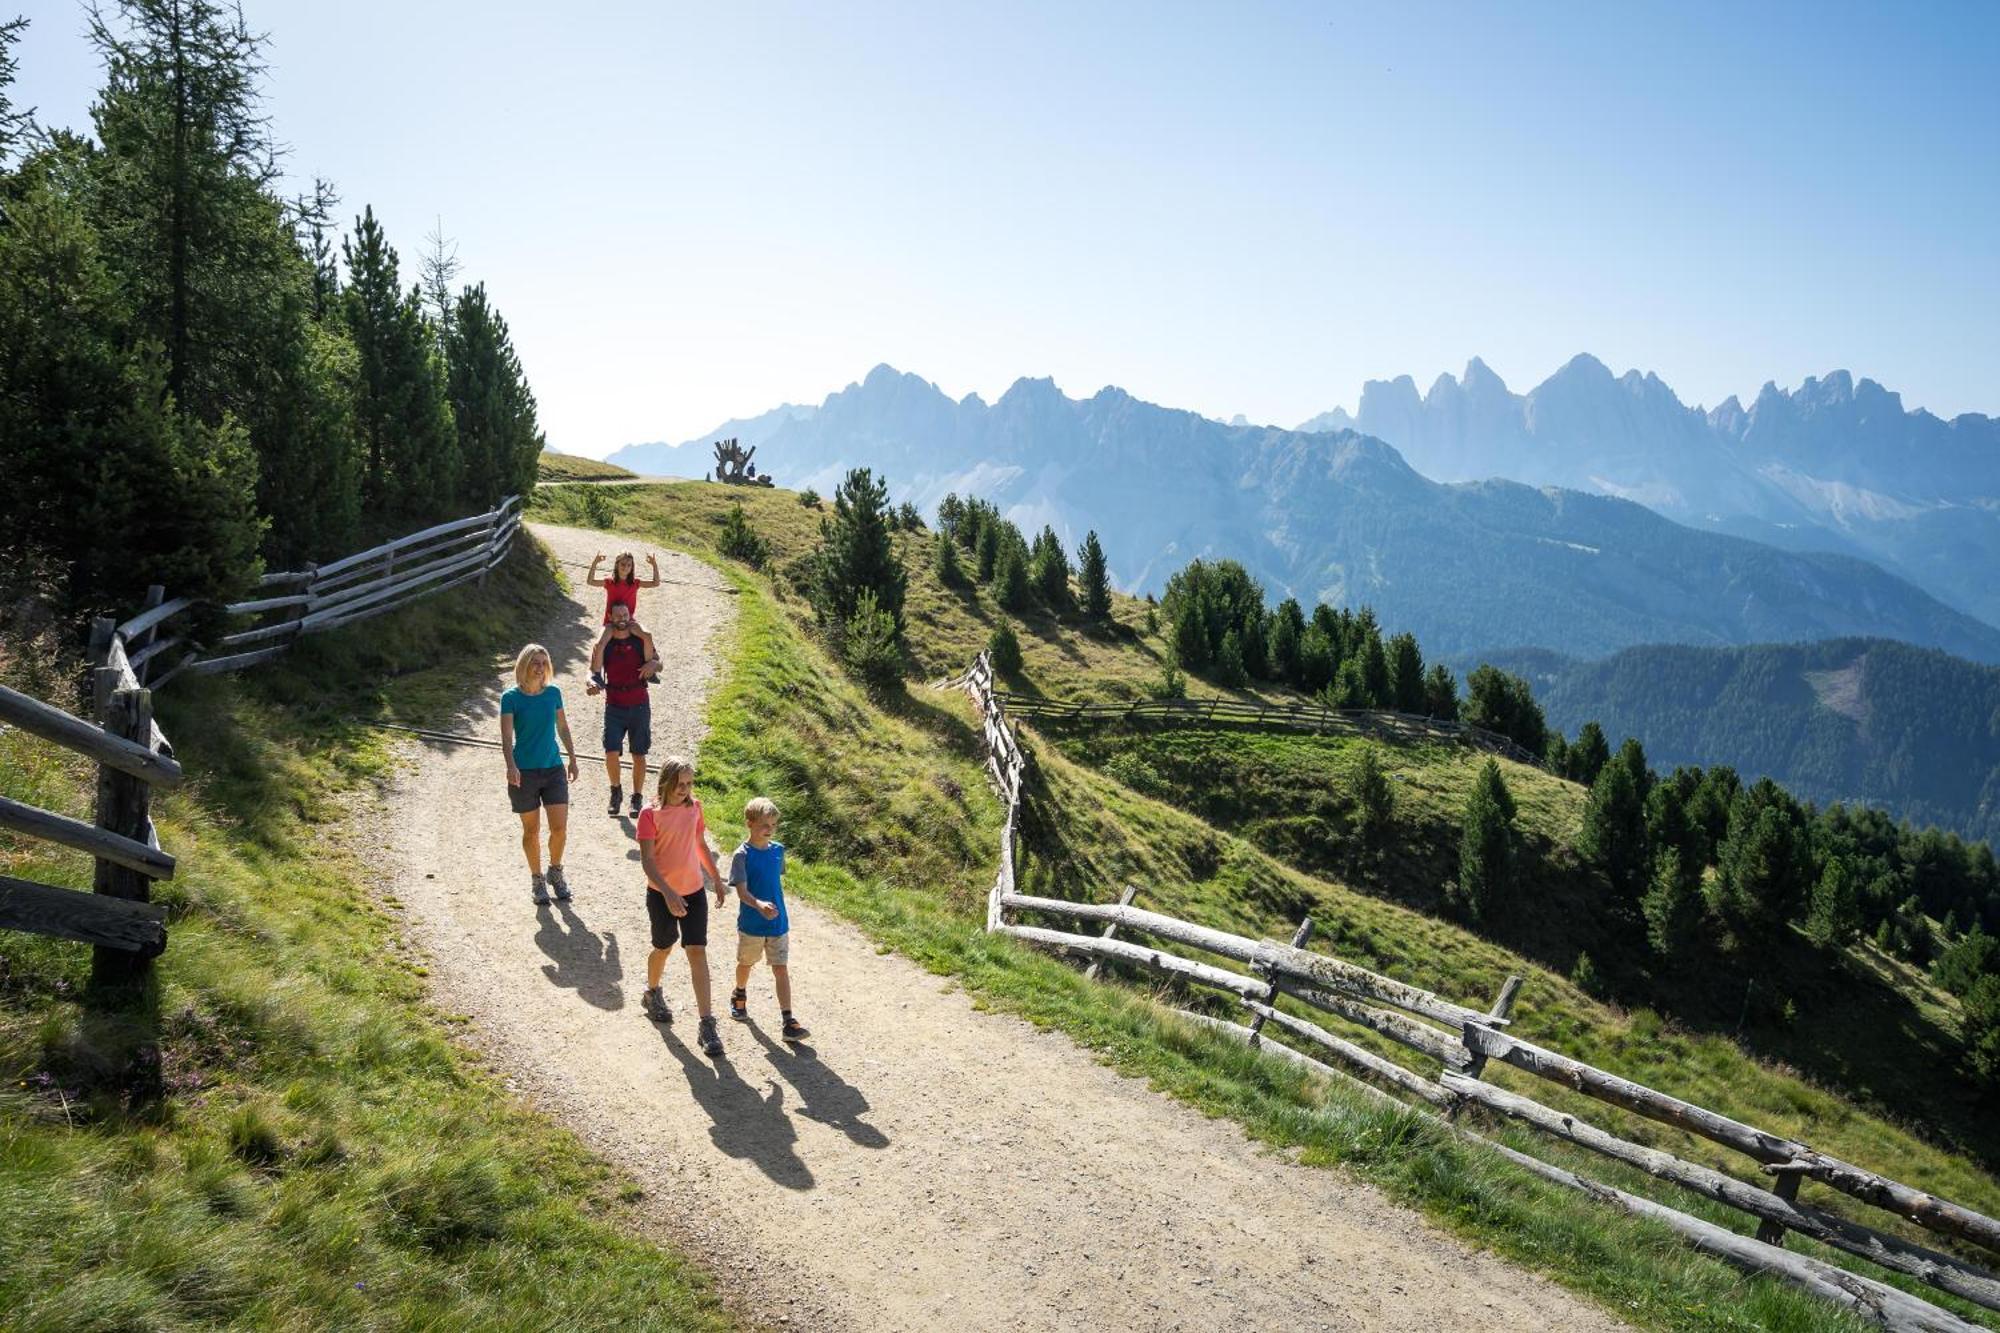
(124, 807)
(1503, 1008)
(1110, 929)
(1299, 938)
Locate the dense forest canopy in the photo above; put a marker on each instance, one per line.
(193, 386)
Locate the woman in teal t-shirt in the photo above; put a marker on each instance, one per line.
(531, 715)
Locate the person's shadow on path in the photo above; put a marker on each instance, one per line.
(742, 1121)
(824, 1095)
(583, 962)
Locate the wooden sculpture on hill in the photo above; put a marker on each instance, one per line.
(732, 465)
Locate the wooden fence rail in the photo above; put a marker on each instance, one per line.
(118, 919)
(1462, 1039)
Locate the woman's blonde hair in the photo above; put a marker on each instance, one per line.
(526, 662)
(670, 775)
(630, 561)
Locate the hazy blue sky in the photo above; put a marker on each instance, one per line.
(690, 212)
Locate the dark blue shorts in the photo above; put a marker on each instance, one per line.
(539, 787)
(633, 722)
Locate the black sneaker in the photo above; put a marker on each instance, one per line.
(558, 883)
(617, 800)
(638, 803)
(709, 1038)
(655, 1006)
(795, 1030)
(541, 888)
(739, 1006)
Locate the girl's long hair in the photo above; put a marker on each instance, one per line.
(671, 770)
(626, 562)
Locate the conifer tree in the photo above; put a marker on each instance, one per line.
(499, 440)
(1094, 578)
(1374, 805)
(1834, 917)
(857, 552)
(1406, 674)
(1288, 627)
(1613, 837)
(1049, 572)
(1672, 905)
(986, 544)
(944, 559)
(1486, 848)
(1979, 1032)
(1588, 754)
(1762, 864)
(1373, 661)
(1003, 649)
(12, 123)
(1229, 669)
(1441, 693)
(1973, 955)
(1634, 755)
(1012, 587)
(1317, 660)
(401, 413)
(1501, 701)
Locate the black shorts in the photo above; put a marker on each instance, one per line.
(539, 786)
(691, 930)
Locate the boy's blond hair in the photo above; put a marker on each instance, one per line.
(525, 663)
(670, 775)
(760, 807)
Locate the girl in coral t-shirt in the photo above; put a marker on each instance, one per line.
(673, 851)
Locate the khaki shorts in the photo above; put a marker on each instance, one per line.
(776, 948)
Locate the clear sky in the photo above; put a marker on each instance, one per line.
(692, 212)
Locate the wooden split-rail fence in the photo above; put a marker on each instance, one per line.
(1454, 1044)
(126, 929)
(1310, 717)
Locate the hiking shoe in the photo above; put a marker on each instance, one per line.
(558, 883)
(618, 801)
(638, 802)
(541, 887)
(655, 1005)
(795, 1030)
(709, 1038)
(739, 1006)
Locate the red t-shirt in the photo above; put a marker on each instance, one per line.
(678, 835)
(621, 594)
(624, 686)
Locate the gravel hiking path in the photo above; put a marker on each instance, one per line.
(919, 1164)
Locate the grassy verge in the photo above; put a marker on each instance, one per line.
(277, 1132)
(886, 805)
(553, 466)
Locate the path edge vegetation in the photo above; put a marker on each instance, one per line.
(282, 1129)
(881, 795)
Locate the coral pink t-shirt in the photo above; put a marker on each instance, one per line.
(678, 835)
(621, 594)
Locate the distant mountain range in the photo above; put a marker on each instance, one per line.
(1835, 465)
(1913, 731)
(1340, 517)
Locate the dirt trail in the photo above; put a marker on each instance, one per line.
(919, 1164)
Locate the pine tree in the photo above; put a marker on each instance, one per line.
(857, 552)
(1406, 674)
(1672, 905)
(401, 411)
(1374, 804)
(1288, 627)
(1588, 754)
(944, 559)
(1003, 649)
(13, 124)
(1634, 755)
(1049, 572)
(1502, 702)
(439, 267)
(1441, 694)
(1762, 864)
(1317, 660)
(499, 439)
(1486, 848)
(1374, 662)
(1613, 837)
(1973, 955)
(1834, 918)
(1979, 1032)
(1094, 577)
(1012, 587)
(986, 546)
(1229, 669)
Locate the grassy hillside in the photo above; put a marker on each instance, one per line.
(278, 1132)
(553, 466)
(887, 808)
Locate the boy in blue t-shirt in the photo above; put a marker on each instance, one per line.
(757, 870)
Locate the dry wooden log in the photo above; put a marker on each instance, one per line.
(1926, 1210)
(140, 657)
(1149, 923)
(1319, 969)
(329, 606)
(128, 852)
(403, 544)
(73, 733)
(1419, 1037)
(263, 604)
(1885, 1305)
(286, 628)
(1635, 1097)
(88, 918)
(145, 620)
(210, 666)
(1126, 951)
(1299, 938)
(1124, 900)
(1942, 1271)
(1359, 1057)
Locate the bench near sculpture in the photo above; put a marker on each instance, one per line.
(732, 465)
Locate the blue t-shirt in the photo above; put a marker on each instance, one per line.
(534, 726)
(763, 869)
